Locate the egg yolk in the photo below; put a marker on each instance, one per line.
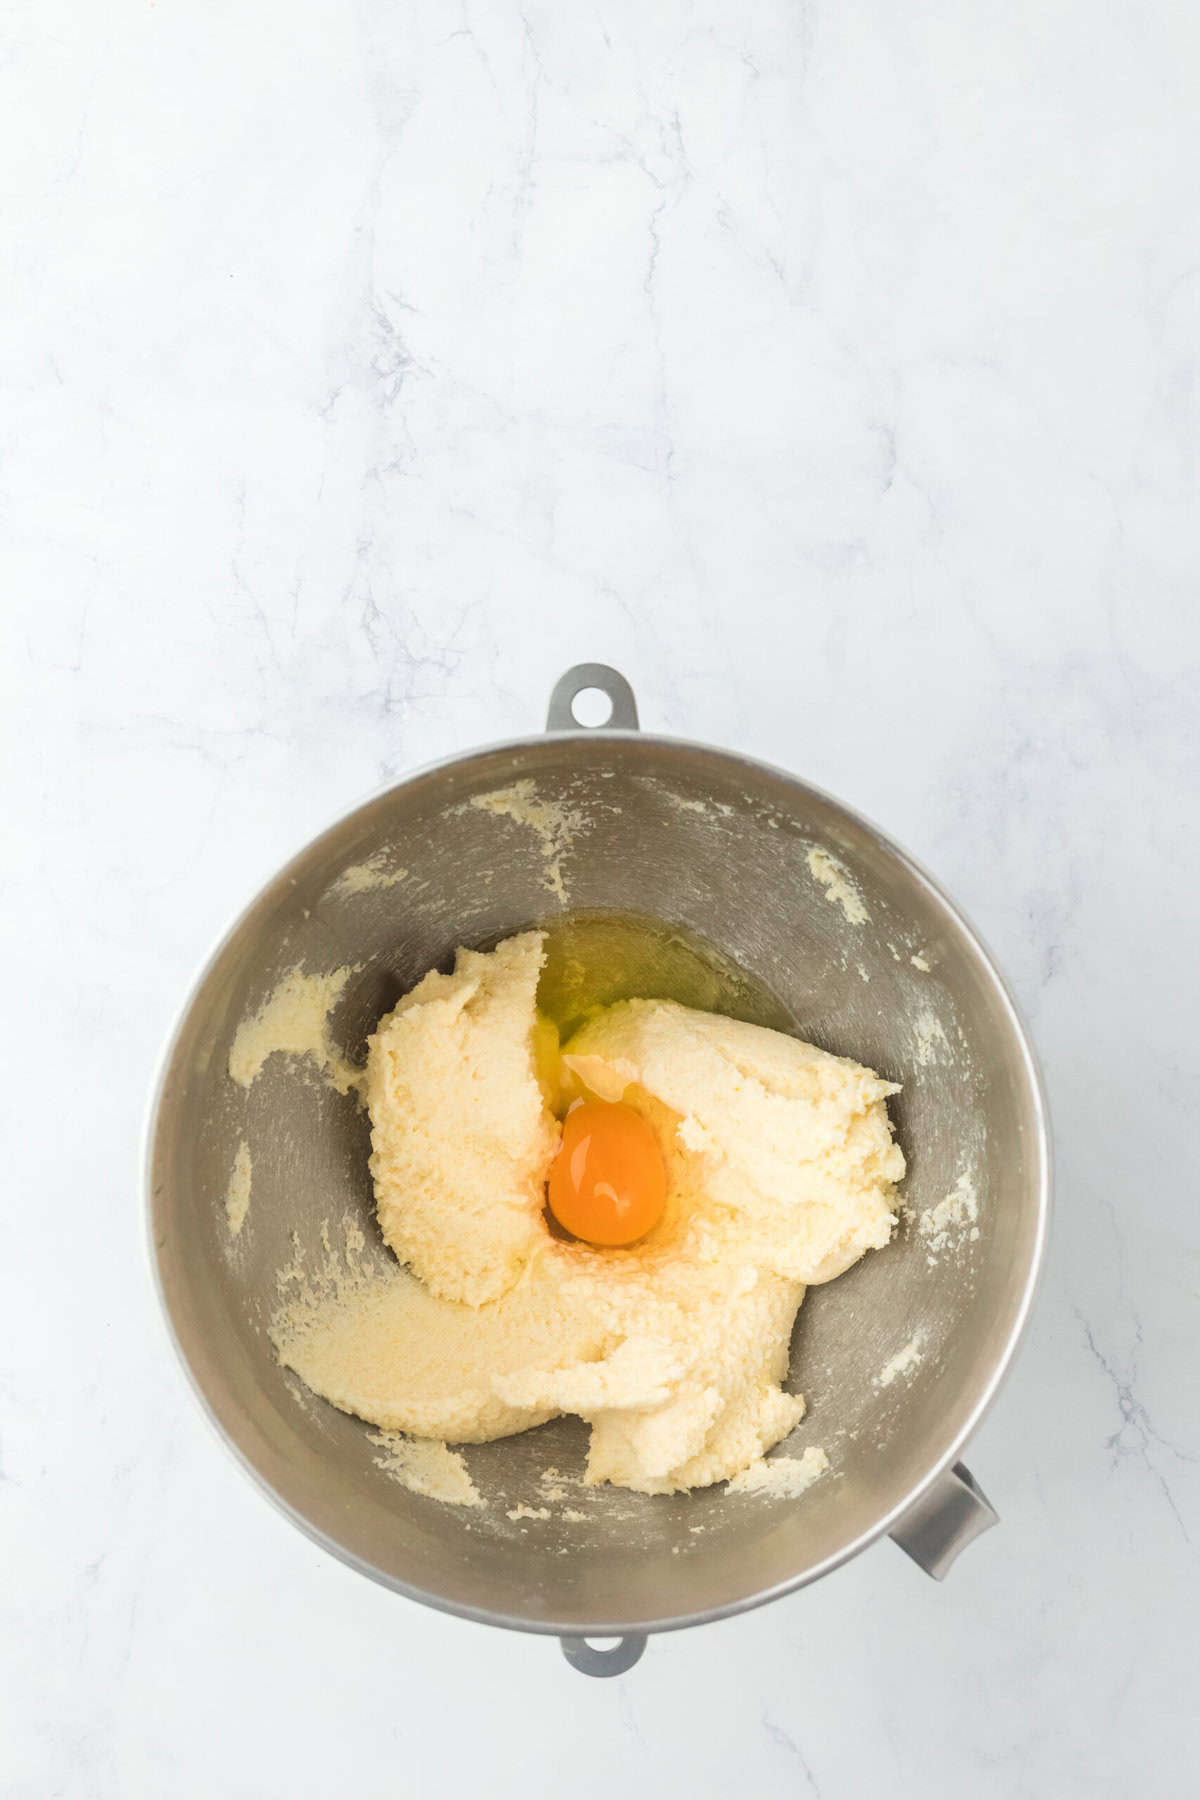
(608, 1183)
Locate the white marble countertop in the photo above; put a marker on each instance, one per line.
(833, 371)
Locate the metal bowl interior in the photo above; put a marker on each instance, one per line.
(717, 844)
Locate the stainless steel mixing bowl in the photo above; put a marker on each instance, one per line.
(720, 844)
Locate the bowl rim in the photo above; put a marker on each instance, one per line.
(611, 1627)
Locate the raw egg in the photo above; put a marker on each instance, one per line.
(608, 1183)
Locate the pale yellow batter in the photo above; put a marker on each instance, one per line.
(780, 1163)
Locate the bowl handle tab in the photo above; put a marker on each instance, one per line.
(950, 1514)
(590, 1659)
(623, 717)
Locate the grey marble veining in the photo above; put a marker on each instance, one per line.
(834, 373)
